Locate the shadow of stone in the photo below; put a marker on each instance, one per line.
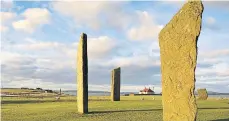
(98, 99)
(32, 101)
(100, 112)
(221, 119)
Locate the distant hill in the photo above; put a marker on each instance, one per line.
(214, 93)
(29, 92)
(91, 91)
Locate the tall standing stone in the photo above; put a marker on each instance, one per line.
(115, 84)
(178, 48)
(82, 75)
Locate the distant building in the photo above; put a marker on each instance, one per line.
(131, 94)
(146, 91)
(38, 88)
(24, 88)
(48, 91)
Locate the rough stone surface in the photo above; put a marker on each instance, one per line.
(82, 75)
(178, 49)
(202, 94)
(115, 84)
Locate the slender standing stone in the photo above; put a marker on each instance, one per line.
(82, 75)
(115, 84)
(178, 49)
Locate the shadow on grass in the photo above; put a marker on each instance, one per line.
(98, 99)
(221, 119)
(44, 100)
(99, 112)
(32, 101)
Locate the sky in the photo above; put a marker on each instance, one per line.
(39, 42)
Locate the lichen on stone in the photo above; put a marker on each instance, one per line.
(82, 75)
(115, 84)
(178, 50)
(202, 94)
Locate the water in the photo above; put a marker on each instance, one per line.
(219, 96)
(73, 93)
(91, 93)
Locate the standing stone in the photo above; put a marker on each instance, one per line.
(202, 94)
(178, 49)
(82, 75)
(115, 84)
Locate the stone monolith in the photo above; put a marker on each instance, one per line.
(115, 84)
(202, 94)
(178, 49)
(82, 75)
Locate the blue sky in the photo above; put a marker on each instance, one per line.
(39, 41)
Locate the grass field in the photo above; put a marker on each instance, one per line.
(26, 92)
(15, 90)
(130, 108)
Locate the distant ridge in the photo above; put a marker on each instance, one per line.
(91, 91)
(214, 93)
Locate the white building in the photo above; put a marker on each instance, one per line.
(146, 91)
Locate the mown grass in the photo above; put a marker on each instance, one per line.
(26, 92)
(130, 108)
(15, 90)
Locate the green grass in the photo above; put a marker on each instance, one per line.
(130, 108)
(15, 90)
(27, 92)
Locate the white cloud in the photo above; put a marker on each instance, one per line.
(82, 12)
(210, 20)
(211, 23)
(97, 47)
(218, 83)
(33, 18)
(30, 67)
(147, 29)
(217, 4)
(8, 56)
(6, 18)
(100, 47)
(155, 45)
(7, 4)
(135, 60)
(215, 53)
(94, 14)
(222, 69)
(34, 83)
(3, 28)
(38, 46)
(212, 78)
(218, 69)
(209, 60)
